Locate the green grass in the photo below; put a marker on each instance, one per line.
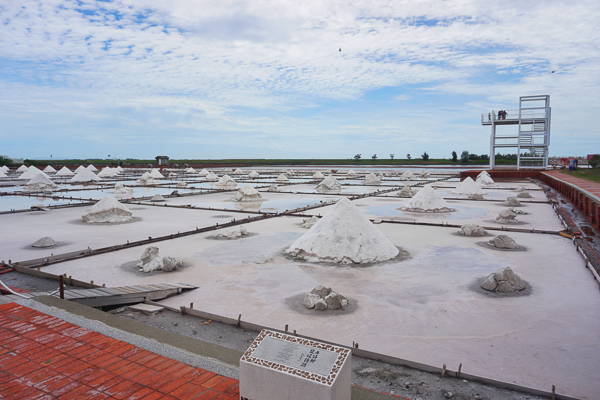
(589, 174)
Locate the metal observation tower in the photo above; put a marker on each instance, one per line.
(533, 136)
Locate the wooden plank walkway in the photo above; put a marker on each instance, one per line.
(116, 295)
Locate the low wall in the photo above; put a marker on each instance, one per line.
(504, 174)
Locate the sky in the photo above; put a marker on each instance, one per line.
(266, 79)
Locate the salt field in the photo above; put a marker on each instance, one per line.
(421, 302)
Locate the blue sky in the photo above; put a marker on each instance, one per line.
(266, 79)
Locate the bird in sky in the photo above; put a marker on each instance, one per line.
(341, 50)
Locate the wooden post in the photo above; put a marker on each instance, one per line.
(61, 287)
(239, 320)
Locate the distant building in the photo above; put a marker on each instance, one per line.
(162, 160)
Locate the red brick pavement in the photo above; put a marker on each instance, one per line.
(43, 357)
(589, 186)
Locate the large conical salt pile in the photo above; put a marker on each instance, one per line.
(85, 175)
(5, 168)
(107, 172)
(39, 183)
(30, 173)
(372, 179)
(190, 171)
(2, 173)
(146, 180)
(427, 200)
(121, 190)
(226, 182)
(329, 183)
(204, 172)
(156, 174)
(253, 175)
(79, 169)
(247, 193)
(49, 169)
(485, 180)
(107, 210)
(318, 175)
(92, 168)
(282, 178)
(468, 186)
(407, 175)
(64, 171)
(344, 235)
(22, 168)
(211, 177)
(120, 170)
(482, 173)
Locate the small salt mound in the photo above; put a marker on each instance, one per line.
(108, 172)
(2, 173)
(157, 197)
(472, 230)
(329, 183)
(309, 222)
(524, 195)
(226, 182)
(273, 188)
(49, 170)
(120, 170)
(238, 172)
(211, 177)
(483, 173)
(156, 174)
(146, 180)
(372, 179)
(5, 168)
(512, 202)
(64, 171)
(151, 261)
(291, 173)
(318, 175)
(424, 173)
(44, 242)
(344, 235)
(233, 234)
(92, 168)
(485, 180)
(468, 186)
(85, 175)
(40, 183)
(190, 171)
(247, 193)
(503, 281)
(204, 172)
(30, 173)
(324, 298)
(282, 178)
(503, 242)
(122, 191)
(351, 173)
(407, 192)
(107, 210)
(253, 175)
(407, 176)
(507, 217)
(427, 200)
(22, 168)
(181, 184)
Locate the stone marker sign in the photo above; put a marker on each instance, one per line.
(278, 366)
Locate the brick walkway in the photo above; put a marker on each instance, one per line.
(43, 357)
(589, 186)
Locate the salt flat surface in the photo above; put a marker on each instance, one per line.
(421, 309)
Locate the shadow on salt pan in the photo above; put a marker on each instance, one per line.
(461, 213)
(249, 250)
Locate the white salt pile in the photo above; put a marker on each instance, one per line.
(233, 234)
(122, 191)
(108, 172)
(30, 173)
(407, 176)
(247, 193)
(190, 171)
(407, 192)
(238, 172)
(512, 202)
(85, 175)
(156, 174)
(521, 189)
(157, 197)
(424, 173)
(22, 168)
(253, 175)
(507, 217)
(324, 298)
(329, 184)
(475, 196)
(5, 168)
(44, 242)
(344, 235)
(318, 175)
(2, 173)
(211, 177)
(273, 188)
(372, 179)
(226, 182)
(503, 242)
(120, 170)
(309, 222)
(107, 210)
(64, 171)
(483, 173)
(49, 170)
(468, 186)
(503, 281)
(351, 173)
(524, 195)
(282, 179)
(151, 261)
(79, 169)
(427, 200)
(472, 230)
(291, 173)
(40, 183)
(204, 172)
(182, 184)
(146, 180)
(92, 168)
(485, 180)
